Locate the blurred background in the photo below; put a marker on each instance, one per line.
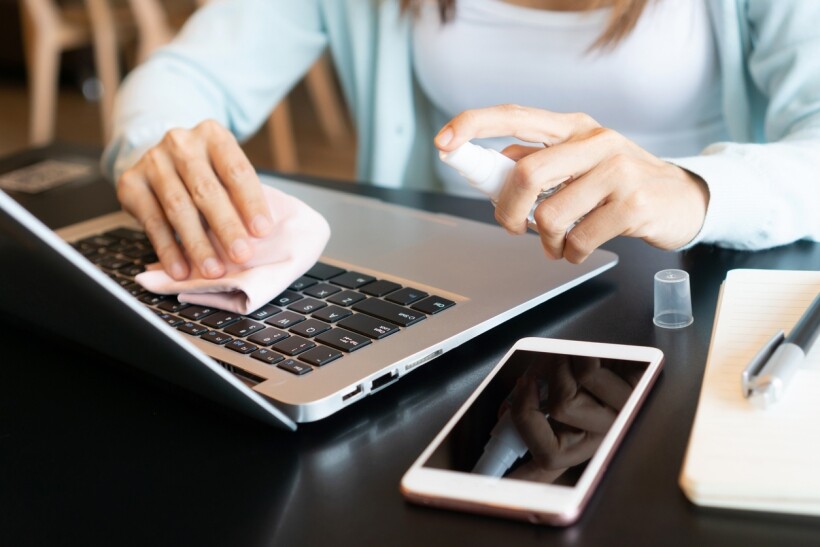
(62, 60)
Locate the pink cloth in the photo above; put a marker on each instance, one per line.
(296, 242)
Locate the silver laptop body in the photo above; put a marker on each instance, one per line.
(490, 275)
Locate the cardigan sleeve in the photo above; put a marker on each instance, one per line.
(231, 62)
(768, 194)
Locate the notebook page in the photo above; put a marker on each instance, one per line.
(739, 455)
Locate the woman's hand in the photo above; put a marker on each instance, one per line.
(193, 179)
(581, 396)
(616, 186)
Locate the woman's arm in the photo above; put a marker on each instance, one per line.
(763, 195)
(174, 155)
(231, 62)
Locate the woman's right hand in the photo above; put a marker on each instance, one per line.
(194, 179)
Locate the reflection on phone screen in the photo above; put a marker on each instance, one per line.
(541, 418)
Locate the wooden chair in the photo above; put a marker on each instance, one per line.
(49, 29)
(329, 110)
(155, 29)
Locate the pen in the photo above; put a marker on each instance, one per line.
(768, 373)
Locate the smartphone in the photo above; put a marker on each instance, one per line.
(534, 439)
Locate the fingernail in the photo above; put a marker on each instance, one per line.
(444, 136)
(240, 249)
(178, 271)
(212, 267)
(260, 225)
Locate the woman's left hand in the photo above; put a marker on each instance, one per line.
(616, 186)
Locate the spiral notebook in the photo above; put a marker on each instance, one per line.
(739, 456)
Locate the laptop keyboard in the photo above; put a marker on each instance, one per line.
(324, 315)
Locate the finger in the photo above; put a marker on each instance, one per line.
(549, 167)
(181, 213)
(575, 446)
(138, 200)
(241, 181)
(524, 123)
(601, 382)
(530, 421)
(518, 151)
(597, 227)
(213, 202)
(569, 404)
(557, 214)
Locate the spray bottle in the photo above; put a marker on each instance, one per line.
(487, 170)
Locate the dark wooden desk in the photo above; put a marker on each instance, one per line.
(92, 454)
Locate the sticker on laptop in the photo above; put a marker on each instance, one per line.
(45, 175)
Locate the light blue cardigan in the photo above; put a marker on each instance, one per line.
(236, 59)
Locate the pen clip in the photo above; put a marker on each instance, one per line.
(755, 366)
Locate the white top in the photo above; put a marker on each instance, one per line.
(660, 86)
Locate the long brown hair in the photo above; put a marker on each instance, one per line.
(624, 16)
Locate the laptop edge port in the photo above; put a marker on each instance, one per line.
(356, 392)
(384, 380)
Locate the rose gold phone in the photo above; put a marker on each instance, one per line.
(534, 439)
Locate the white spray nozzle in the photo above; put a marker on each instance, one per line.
(485, 169)
(503, 449)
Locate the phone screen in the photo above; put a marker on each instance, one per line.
(541, 418)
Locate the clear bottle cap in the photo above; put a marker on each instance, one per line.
(673, 299)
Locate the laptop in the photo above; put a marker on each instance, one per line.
(395, 288)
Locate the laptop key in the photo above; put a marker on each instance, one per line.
(131, 270)
(244, 328)
(153, 299)
(135, 289)
(216, 337)
(127, 233)
(294, 367)
(118, 247)
(390, 312)
(267, 356)
(195, 313)
(287, 297)
(405, 296)
(343, 339)
(310, 328)
(268, 336)
(320, 356)
(285, 319)
(346, 298)
(192, 328)
(331, 314)
(307, 305)
(369, 326)
(432, 304)
(98, 256)
(241, 346)
(149, 259)
(323, 272)
(293, 345)
(265, 311)
(322, 290)
(85, 250)
(121, 281)
(221, 319)
(380, 287)
(302, 283)
(98, 241)
(172, 320)
(113, 263)
(352, 280)
(139, 253)
(173, 306)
